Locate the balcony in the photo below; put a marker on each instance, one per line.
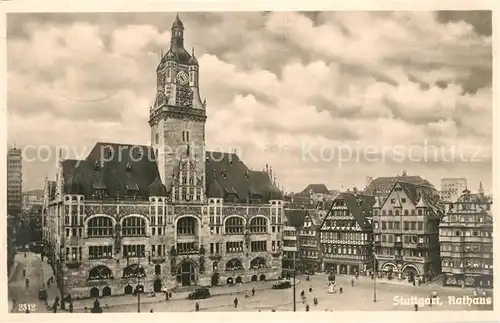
(377, 243)
(423, 245)
(420, 260)
(398, 244)
(215, 256)
(385, 257)
(398, 258)
(158, 259)
(187, 252)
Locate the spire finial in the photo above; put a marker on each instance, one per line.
(192, 51)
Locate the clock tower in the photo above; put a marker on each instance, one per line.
(177, 121)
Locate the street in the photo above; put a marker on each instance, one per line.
(357, 298)
(20, 296)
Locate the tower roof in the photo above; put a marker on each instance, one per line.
(177, 22)
(193, 60)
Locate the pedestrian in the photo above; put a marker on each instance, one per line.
(307, 307)
(86, 309)
(246, 294)
(315, 301)
(151, 311)
(253, 291)
(27, 283)
(352, 282)
(302, 293)
(71, 307)
(235, 302)
(169, 294)
(416, 307)
(310, 289)
(24, 272)
(197, 307)
(341, 290)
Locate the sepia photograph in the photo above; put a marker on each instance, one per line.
(249, 161)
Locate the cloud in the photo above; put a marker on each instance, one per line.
(283, 88)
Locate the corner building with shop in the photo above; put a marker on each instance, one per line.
(166, 216)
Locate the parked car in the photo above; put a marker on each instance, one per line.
(200, 293)
(282, 284)
(42, 294)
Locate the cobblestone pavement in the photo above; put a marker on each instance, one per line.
(359, 297)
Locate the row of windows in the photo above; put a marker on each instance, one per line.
(397, 238)
(134, 250)
(476, 218)
(396, 225)
(476, 264)
(74, 253)
(404, 252)
(333, 249)
(158, 250)
(289, 243)
(258, 246)
(397, 212)
(351, 236)
(236, 246)
(341, 223)
(467, 248)
(156, 220)
(187, 248)
(464, 233)
(100, 252)
(309, 254)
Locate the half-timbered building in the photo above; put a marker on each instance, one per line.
(346, 235)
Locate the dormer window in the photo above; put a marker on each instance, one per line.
(97, 165)
(132, 190)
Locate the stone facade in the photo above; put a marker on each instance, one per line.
(165, 267)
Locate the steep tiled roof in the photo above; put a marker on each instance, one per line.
(315, 188)
(301, 202)
(316, 217)
(389, 181)
(359, 205)
(226, 173)
(133, 168)
(295, 217)
(415, 192)
(115, 168)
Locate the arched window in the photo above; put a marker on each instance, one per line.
(258, 263)
(234, 225)
(234, 264)
(100, 273)
(258, 225)
(186, 226)
(134, 226)
(157, 270)
(100, 226)
(134, 271)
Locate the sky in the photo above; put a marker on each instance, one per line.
(322, 97)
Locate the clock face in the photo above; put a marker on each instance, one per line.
(182, 78)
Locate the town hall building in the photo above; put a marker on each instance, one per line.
(132, 218)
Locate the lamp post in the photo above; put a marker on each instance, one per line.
(138, 275)
(374, 275)
(296, 220)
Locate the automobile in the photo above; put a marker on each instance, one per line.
(200, 293)
(282, 284)
(42, 294)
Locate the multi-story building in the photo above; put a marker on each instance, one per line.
(133, 217)
(346, 235)
(290, 241)
(466, 239)
(316, 192)
(31, 199)
(405, 227)
(309, 242)
(452, 188)
(11, 241)
(14, 181)
(382, 186)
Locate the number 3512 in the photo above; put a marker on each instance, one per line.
(26, 307)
